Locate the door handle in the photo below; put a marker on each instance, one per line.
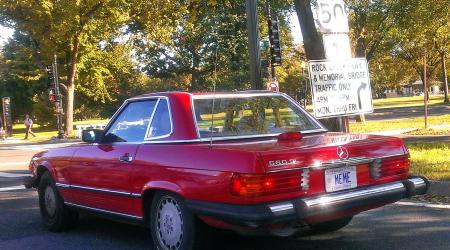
(126, 158)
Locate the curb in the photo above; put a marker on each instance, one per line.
(441, 188)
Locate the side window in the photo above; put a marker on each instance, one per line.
(131, 124)
(161, 123)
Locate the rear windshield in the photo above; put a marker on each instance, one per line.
(250, 116)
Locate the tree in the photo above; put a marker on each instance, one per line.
(70, 29)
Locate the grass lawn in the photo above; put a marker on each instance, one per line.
(46, 133)
(431, 160)
(410, 101)
(415, 123)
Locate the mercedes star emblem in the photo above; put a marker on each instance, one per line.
(342, 152)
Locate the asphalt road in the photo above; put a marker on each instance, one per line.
(407, 112)
(392, 227)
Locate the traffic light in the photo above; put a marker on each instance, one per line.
(52, 95)
(275, 45)
(50, 75)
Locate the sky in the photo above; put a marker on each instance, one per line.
(6, 33)
(295, 28)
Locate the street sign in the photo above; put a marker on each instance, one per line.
(332, 16)
(273, 86)
(7, 120)
(340, 88)
(337, 46)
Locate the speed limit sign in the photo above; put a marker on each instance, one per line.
(332, 16)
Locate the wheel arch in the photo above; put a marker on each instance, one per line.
(151, 188)
(40, 170)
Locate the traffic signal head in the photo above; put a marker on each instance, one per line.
(50, 76)
(275, 45)
(52, 95)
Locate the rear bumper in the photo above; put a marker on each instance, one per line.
(301, 209)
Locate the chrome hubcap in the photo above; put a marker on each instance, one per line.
(50, 201)
(169, 223)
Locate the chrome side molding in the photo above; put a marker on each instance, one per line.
(99, 190)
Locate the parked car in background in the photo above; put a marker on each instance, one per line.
(251, 162)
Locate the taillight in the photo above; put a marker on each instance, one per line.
(253, 185)
(389, 166)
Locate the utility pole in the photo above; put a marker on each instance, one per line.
(55, 96)
(425, 88)
(253, 44)
(314, 49)
(304, 81)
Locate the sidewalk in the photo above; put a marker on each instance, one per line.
(23, 144)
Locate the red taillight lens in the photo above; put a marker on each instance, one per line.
(266, 184)
(394, 166)
(389, 166)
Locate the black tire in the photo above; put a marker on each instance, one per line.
(331, 226)
(172, 226)
(55, 215)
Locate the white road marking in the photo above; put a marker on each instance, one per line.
(21, 187)
(10, 164)
(422, 204)
(12, 175)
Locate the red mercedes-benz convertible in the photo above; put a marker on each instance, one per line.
(252, 162)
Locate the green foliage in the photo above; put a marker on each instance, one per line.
(43, 112)
(392, 35)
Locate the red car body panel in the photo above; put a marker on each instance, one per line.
(91, 175)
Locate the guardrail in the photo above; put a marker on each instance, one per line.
(80, 128)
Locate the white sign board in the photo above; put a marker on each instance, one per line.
(337, 46)
(332, 16)
(340, 88)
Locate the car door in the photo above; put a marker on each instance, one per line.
(99, 174)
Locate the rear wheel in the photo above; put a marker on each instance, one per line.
(172, 226)
(331, 226)
(55, 215)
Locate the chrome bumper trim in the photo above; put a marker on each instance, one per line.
(329, 199)
(351, 198)
(281, 208)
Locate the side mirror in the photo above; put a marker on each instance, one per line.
(91, 135)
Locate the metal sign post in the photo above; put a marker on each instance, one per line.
(425, 87)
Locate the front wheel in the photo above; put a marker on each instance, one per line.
(172, 226)
(55, 214)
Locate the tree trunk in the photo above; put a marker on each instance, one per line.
(195, 75)
(71, 85)
(311, 38)
(444, 76)
(312, 41)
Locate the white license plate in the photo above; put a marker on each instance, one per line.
(340, 178)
